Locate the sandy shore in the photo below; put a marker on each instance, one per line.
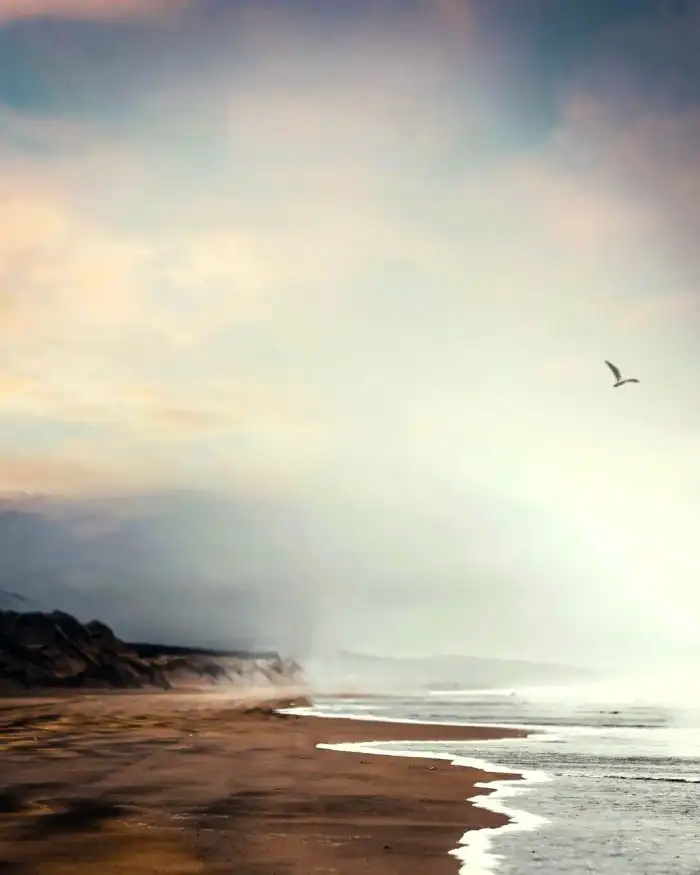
(139, 785)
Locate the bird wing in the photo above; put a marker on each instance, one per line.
(616, 371)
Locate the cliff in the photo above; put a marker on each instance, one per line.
(55, 650)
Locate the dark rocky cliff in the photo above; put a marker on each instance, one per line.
(55, 650)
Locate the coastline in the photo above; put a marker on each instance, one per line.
(475, 848)
(267, 791)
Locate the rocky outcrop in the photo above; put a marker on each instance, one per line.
(55, 650)
(247, 673)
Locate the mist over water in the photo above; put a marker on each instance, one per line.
(629, 703)
(671, 689)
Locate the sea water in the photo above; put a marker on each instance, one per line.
(614, 774)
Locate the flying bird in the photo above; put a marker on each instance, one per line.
(618, 376)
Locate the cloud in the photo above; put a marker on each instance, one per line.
(328, 260)
(51, 474)
(349, 281)
(88, 10)
(62, 278)
(12, 385)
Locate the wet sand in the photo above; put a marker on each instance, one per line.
(189, 784)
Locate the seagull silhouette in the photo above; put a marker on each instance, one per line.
(618, 376)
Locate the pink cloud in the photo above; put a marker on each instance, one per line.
(53, 473)
(88, 10)
(56, 268)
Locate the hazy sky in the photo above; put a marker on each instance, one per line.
(363, 262)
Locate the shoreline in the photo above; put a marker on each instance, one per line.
(216, 784)
(475, 848)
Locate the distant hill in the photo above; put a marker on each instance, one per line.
(349, 672)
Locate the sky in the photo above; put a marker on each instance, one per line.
(353, 270)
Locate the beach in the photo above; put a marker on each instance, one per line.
(105, 784)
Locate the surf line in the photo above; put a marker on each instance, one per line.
(475, 850)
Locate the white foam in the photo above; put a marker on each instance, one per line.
(475, 851)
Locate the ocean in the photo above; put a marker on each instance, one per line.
(612, 777)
